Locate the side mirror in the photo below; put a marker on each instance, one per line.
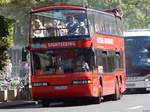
(27, 48)
(24, 54)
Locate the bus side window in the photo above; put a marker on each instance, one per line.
(111, 61)
(98, 58)
(104, 61)
(118, 60)
(91, 22)
(91, 58)
(37, 65)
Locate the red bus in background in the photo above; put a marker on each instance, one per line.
(76, 53)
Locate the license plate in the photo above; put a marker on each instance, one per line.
(132, 84)
(61, 87)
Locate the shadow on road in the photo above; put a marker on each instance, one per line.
(75, 103)
(136, 91)
(56, 104)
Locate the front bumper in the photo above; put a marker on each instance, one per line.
(138, 84)
(63, 92)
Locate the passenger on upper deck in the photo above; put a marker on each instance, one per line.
(72, 25)
(38, 28)
(82, 29)
(50, 29)
(61, 28)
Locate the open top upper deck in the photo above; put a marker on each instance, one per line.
(57, 7)
(67, 25)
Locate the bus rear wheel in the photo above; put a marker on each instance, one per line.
(117, 94)
(45, 103)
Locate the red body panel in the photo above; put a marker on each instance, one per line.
(71, 90)
(110, 42)
(55, 45)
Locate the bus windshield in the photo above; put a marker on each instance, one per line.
(137, 53)
(66, 61)
(59, 23)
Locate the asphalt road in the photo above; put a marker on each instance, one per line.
(128, 103)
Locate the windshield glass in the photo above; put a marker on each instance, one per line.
(64, 61)
(137, 53)
(59, 23)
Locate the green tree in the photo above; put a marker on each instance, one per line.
(6, 39)
(136, 15)
(136, 12)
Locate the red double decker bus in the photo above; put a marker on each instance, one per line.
(76, 53)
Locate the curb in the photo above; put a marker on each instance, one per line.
(11, 104)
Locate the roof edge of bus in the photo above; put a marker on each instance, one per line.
(137, 32)
(42, 8)
(115, 11)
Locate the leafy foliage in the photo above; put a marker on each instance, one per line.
(136, 12)
(136, 15)
(6, 39)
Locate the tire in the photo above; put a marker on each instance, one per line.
(117, 94)
(97, 100)
(45, 103)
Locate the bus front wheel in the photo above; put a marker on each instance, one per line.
(97, 100)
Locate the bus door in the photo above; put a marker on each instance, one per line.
(108, 72)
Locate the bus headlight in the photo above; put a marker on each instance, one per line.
(82, 82)
(146, 80)
(37, 84)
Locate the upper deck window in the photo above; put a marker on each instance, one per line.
(59, 23)
(103, 23)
